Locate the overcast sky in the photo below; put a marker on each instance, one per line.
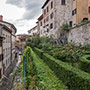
(22, 13)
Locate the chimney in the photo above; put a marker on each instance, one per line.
(1, 18)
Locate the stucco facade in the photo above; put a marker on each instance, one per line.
(48, 18)
(81, 11)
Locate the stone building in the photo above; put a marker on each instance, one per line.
(33, 32)
(8, 31)
(21, 41)
(56, 13)
(63, 13)
(1, 53)
(48, 17)
(80, 11)
(40, 26)
(6, 48)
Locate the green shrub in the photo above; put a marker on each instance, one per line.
(46, 75)
(74, 78)
(86, 48)
(65, 27)
(39, 42)
(85, 63)
(66, 53)
(38, 51)
(86, 52)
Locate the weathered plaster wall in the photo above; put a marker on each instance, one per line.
(80, 35)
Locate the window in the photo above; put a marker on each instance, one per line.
(85, 19)
(62, 2)
(51, 15)
(44, 11)
(0, 43)
(47, 19)
(47, 9)
(41, 23)
(44, 21)
(74, 12)
(0, 73)
(47, 30)
(70, 23)
(51, 5)
(89, 9)
(51, 25)
(1, 57)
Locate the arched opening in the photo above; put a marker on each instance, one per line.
(85, 19)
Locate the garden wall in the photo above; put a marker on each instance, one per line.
(80, 35)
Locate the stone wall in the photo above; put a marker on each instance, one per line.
(63, 13)
(80, 35)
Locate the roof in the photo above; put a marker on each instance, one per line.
(10, 24)
(4, 26)
(32, 28)
(22, 35)
(45, 3)
(40, 18)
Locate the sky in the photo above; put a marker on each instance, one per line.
(22, 13)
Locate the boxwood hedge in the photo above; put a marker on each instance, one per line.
(74, 78)
(85, 63)
(39, 52)
(46, 75)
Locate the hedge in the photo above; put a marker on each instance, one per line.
(46, 75)
(39, 52)
(74, 78)
(87, 52)
(85, 63)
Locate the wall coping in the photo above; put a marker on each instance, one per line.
(79, 25)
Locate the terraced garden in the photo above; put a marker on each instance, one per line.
(44, 72)
(74, 78)
(53, 67)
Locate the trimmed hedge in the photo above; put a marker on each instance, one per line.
(39, 52)
(87, 52)
(74, 78)
(46, 75)
(85, 63)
